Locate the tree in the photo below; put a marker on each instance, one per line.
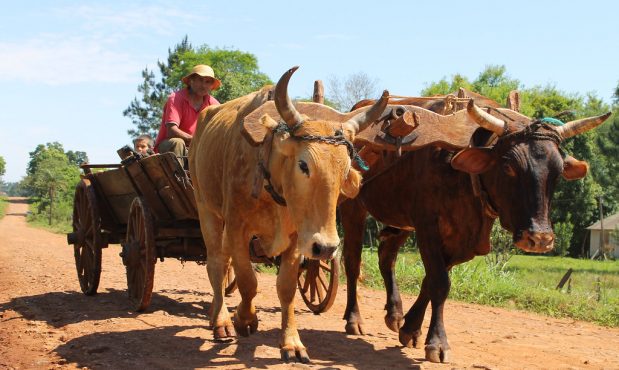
(77, 157)
(357, 86)
(2, 166)
(493, 82)
(237, 70)
(51, 176)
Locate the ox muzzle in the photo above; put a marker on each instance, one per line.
(535, 241)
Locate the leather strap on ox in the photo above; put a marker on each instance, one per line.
(265, 153)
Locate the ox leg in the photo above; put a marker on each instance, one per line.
(388, 249)
(437, 349)
(290, 342)
(245, 318)
(410, 332)
(353, 222)
(218, 260)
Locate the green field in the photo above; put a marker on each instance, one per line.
(3, 205)
(524, 282)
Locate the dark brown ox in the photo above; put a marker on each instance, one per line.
(307, 165)
(431, 191)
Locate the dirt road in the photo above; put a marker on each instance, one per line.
(45, 322)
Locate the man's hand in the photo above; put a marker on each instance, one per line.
(174, 131)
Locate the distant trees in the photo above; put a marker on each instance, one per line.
(237, 70)
(51, 177)
(575, 203)
(2, 167)
(355, 87)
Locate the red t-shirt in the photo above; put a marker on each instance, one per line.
(178, 109)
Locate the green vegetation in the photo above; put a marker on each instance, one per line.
(237, 70)
(3, 205)
(51, 178)
(524, 283)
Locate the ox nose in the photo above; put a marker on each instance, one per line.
(537, 242)
(323, 252)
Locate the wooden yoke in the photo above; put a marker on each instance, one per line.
(403, 125)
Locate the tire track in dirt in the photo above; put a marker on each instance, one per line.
(45, 322)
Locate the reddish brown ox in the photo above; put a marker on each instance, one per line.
(431, 191)
(306, 165)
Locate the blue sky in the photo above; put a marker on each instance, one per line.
(69, 68)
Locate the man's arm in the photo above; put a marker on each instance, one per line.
(175, 131)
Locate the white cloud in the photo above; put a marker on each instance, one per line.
(58, 60)
(158, 19)
(98, 45)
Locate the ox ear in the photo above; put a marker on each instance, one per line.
(573, 169)
(255, 131)
(352, 184)
(473, 160)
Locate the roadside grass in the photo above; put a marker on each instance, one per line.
(3, 205)
(60, 228)
(524, 283)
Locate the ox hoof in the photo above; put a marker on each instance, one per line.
(354, 328)
(224, 334)
(394, 322)
(410, 340)
(295, 355)
(436, 354)
(245, 328)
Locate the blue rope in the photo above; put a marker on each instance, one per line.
(361, 163)
(553, 121)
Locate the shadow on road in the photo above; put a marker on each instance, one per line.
(59, 309)
(178, 347)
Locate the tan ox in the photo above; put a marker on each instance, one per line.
(309, 166)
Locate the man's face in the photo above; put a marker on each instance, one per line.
(141, 146)
(201, 85)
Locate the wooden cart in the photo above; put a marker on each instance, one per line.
(147, 205)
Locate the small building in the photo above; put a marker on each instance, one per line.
(610, 237)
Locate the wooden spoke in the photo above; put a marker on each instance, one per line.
(139, 255)
(87, 248)
(317, 283)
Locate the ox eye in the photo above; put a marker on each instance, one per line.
(304, 168)
(509, 170)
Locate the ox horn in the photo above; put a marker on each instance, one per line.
(284, 105)
(362, 120)
(579, 126)
(486, 120)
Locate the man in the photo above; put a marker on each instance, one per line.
(180, 113)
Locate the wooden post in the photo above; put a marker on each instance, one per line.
(513, 100)
(564, 279)
(319, 92)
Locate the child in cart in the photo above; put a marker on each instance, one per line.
(143, 145)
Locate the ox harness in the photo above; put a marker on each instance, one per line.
(282, 127)
(540, 129)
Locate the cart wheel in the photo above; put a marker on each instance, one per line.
(230, 282)
(89, 241)
(317, 282)
(139, 255)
